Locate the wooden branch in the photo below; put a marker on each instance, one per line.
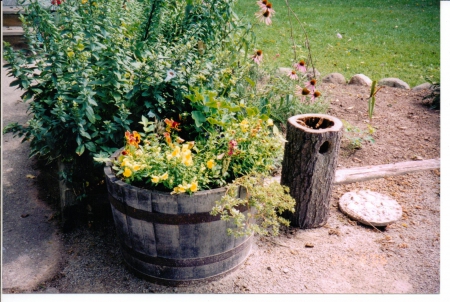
(345, 176)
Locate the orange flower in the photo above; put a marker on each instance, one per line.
(171, 124)
(133, 139)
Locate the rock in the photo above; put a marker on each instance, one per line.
(311, 72)
(361, 80)
(422, 86)
(393, 82)
(370, 208)
(335, 78)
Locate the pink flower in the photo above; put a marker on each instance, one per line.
(311, 85)
(300, 66)
(264, 16)
(262, 4)
(232, 145)
(302, 92)
(265, 5)
(315, 95)
(292, 75)
(257, 56)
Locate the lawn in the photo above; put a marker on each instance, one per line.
(389, 38)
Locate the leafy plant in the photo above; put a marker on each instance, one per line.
(434, 97)
(160, 159)
(373, 92)
(356, 137)
(268, 202)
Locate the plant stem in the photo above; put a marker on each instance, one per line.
(306, 37)
(149, 21)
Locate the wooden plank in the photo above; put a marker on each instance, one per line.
(350, 175)
(345, 176)
(12, 31)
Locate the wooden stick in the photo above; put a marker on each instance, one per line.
(345, 176)
(350, 175)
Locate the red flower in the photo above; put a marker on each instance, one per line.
(57, 2)
(171, 124)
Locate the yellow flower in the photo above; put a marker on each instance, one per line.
(210, 164)
(187, 159)
(136, 167)
(270, 122)
(244, 125)
(194, 187)
(127, 172)
(165, 176)
(180, 189)
(176, 152)
(84, 1)
(155, 179)
(125, 162)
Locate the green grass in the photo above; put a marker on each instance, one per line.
(381, 38)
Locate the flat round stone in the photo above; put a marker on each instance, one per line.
(370, 208)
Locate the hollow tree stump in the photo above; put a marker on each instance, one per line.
(309, 165)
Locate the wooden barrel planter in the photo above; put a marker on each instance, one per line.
(172, 239)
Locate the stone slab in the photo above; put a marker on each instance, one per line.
(370, 208)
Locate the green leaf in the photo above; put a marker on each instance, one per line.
(90, 114)
(213, 121)
(252, 111)
(92, 101)
(198, 117)
(91, 147)
(84, 134)
(80, 150)
(250, 81)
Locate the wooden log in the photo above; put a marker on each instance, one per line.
(309, 166)
(350, 175)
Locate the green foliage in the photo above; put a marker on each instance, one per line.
(355, 137)
(373, 92)
(92, 69)
(75, 77)
(433, 99)
(266, 203)
(278, 96)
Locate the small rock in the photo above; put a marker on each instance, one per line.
(285, 270)
(309, 245)
(335, 78)
(422, 86)
(393, 82)
(269, 268)
(360, 80)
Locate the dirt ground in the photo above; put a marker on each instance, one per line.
(345, 257)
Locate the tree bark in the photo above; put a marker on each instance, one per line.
(309, 165)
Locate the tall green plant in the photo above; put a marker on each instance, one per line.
(93, 68)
